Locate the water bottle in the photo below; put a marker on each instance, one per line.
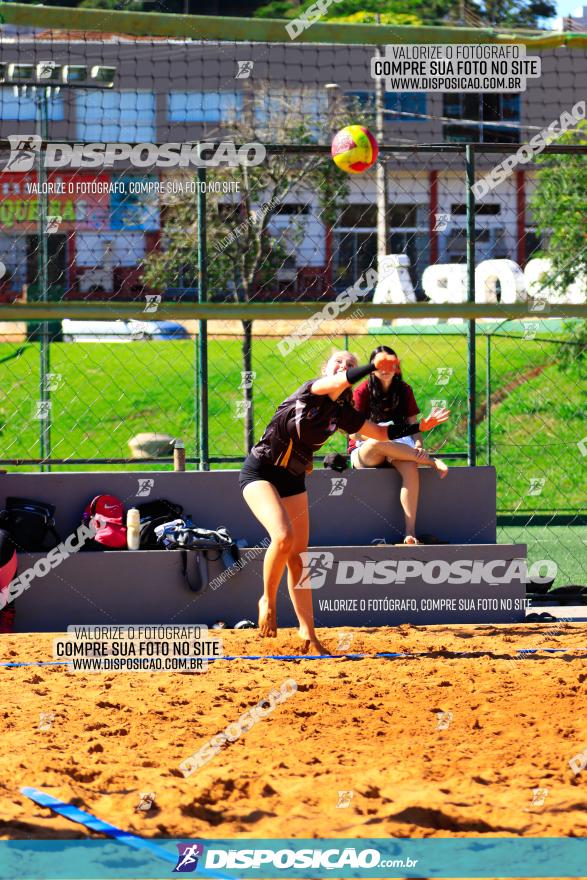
(133, 529)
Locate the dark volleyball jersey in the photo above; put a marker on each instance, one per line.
(362, 403)
(301, 425)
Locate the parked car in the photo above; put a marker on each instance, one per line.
(158, 330)
(121, 331)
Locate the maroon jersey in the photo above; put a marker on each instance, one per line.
(301, 425)
(362, 403)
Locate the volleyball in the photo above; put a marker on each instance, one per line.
(354, 149)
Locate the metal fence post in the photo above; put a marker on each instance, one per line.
(471, 364)
(196, 395)
(43, 283)
(202, 324)
(488, 395)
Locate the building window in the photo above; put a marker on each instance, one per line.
(534, 242)
(203, 106)
(290, 208)
(124, 250)
(491, 243)
(358, 216)
(109, 117)
(460, 209)
(401, 215)
(477, 117)
(23, 108)
(275, 111)
(355, 240)
(399, 106)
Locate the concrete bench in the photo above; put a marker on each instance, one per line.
(347, 512)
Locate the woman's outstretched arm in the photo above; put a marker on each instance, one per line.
(337, 383)
(392, 432)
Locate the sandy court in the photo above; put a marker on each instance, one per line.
(367, 726)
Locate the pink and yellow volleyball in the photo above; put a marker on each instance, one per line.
(354, 149)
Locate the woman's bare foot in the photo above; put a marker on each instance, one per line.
(267, 619)
(441, 467)
(314, 646)
(312, 642)
(409, 539)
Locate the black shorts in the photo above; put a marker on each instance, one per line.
(287, 484)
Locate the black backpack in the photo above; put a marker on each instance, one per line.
(153, 514)
(30, 524)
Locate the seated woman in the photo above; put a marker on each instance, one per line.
(386, 399)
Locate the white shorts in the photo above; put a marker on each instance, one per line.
(357, 463)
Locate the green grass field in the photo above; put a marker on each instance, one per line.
(566, 545)
(107, 393)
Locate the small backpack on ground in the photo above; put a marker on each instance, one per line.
(30, 524)
(155, 513)
(105, 514)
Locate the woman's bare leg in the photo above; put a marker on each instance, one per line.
(297, 510)
(373, 452)
(263, 499)
(408, 471)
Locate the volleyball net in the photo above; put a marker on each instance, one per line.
(152, 162)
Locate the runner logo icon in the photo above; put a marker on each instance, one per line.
(316, 564)
(23, 151)
(187, 860)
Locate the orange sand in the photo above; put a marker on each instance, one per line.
(367, 726)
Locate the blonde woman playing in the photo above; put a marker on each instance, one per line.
(273, 475)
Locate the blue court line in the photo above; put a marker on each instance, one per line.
(95, 824)
(307, 656)
(384, 654)
(480, 653)
(37, 663)
(549, 650)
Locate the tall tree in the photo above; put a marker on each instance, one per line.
(391, 11)
(516, 13)
(559, 209)
(510, 13)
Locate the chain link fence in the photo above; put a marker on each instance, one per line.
(497, 221)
